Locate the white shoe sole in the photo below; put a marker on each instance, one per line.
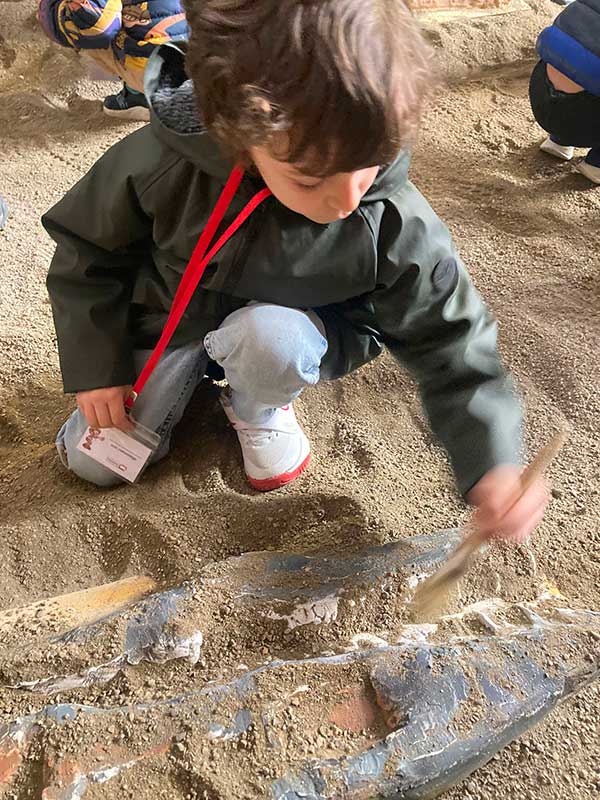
(559, 151)
(136, 114)
(591, 173)
(278, 481)
(263, 481)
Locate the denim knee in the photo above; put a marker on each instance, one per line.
(285, 346)
(270, 352)
(81, 464)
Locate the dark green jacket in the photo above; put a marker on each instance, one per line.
(386, 276)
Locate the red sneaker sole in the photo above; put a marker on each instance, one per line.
(268, 484)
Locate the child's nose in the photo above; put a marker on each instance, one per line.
(347, 194)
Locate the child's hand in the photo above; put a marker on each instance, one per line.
(105, 408)
(503, 509)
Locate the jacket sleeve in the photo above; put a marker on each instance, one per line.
(434, 322)
(82, 24)
(101, 234)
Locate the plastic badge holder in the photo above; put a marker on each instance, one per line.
(125, 454)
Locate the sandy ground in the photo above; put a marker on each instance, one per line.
(528, 229)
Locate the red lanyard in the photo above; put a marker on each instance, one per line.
(195, 269)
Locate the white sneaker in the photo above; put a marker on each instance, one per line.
(591, 173)
(274, 453)
(564, 152)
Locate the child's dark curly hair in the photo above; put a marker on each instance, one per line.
(329, 85)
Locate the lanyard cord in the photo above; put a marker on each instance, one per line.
(196, 267)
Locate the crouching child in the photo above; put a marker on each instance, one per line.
(304, 112)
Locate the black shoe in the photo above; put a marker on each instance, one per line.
(127, 105)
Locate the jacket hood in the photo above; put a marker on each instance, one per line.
(177, 121)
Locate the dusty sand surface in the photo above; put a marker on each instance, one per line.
(528, 229)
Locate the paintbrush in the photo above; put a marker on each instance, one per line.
(431, 595)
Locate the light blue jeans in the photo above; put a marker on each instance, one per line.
(268, 353)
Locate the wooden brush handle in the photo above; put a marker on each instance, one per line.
(541, 462)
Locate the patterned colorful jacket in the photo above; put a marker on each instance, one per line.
(131, 29)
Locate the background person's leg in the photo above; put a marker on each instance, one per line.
(110, 65)
(555, 148)
(593, 157)
(590, 166)
(159, 407)
(543, 99)
(128, 104)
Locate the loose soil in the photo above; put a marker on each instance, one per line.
(528, 229)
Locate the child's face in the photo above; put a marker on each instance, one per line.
(322, 200)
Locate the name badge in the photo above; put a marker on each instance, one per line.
(126, 454)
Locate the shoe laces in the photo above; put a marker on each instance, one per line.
(258, 437)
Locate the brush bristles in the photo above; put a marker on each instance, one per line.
(431, 596)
